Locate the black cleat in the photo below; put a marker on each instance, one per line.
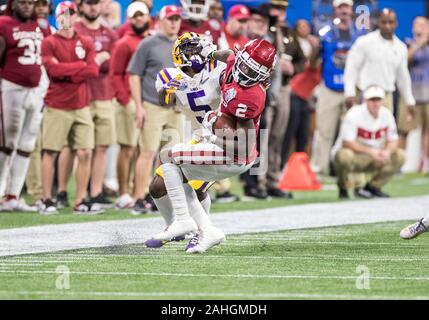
(363, 193)
(277, 193)
(376, 192)
(343, 193)
(102, 201)
(62, 200)
(140, 207)
(256, 193)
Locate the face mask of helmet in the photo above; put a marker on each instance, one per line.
(191, 58)
(247, 72)
(195, 9)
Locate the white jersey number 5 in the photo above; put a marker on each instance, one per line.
(241, 110)
(31, 53)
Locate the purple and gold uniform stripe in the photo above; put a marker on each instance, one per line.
(165, 76)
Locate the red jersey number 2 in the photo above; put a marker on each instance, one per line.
(241, 110)
(32, 52)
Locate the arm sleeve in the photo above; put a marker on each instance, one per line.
(348, 130)
(403, 79)
(117, 72)
(139, 59)
(91, 70)
(354, 62)
(104, 68)
(61, 69)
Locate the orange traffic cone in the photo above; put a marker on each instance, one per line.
(297, 174)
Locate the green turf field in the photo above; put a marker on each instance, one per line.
(348, 262)
(401, 186)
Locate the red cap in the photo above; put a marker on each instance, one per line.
(169, 11)
(64, 6)
(239, 12)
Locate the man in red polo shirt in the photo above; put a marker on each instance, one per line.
(233, 32)
(126, 128)
(70, 60)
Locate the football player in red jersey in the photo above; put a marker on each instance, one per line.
(22, 103)
(195, 19)
(219, 155)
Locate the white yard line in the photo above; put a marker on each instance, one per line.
(67, 293)
(51, 238)
(206, 275)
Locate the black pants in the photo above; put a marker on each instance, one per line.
(298, 126)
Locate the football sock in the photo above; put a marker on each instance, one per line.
(196, 210)
(174, 185)
(206, 203)
(165, 209)
(18, 172)
(4, 169)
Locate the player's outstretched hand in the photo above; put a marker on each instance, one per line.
(207, 48)
(209, 120)
(176, 84)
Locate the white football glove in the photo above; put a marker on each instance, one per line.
(203, 135)
(207, 48)
(208, 124)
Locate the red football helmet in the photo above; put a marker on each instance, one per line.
(254, 62)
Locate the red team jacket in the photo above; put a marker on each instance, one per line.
(22, 60)
(103, 40)
(121, 56)
(242, 102)
(68, 87)
(208, 27)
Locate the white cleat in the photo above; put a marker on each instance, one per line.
(125, 202)
(17, 205)
(413, 230)
(209, 237)
(176, 229)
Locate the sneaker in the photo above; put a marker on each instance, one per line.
(193, 242)
(140, 207)
(376, 192)
(125, 202)
(226, 197)
(102, 201)
(343, 193)
(209, 237)
(48, 207)
(150, 202)
(176, 229)
(62, 200)
(156, 243)
(413, 230)
(277, 193)
(87, 208)
(363, 193)
(14, 204)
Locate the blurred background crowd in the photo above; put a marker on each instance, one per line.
(337, 57)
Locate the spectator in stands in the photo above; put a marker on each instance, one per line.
(70, 61)
(368, 143)
(102, 93)
(257, 27)
(336, 39)
(196, 19)
(127, 134)
(291, 61)
(126, 27)
(379, 57)
(418, 64)
(33, 180)
(302, 86)
(216, 12)
(233, 33)
(152, 55)
(111, 13)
